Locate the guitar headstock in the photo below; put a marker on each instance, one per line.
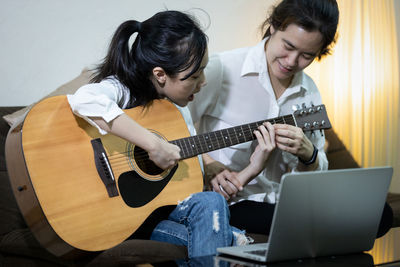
(312, 118)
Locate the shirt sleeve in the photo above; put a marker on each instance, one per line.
(318, 139)
(105, 100)
(319, 143)
(207, 98)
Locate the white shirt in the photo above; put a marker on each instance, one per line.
(239, 91)
(107, 100)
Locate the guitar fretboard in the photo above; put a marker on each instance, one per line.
(203, 143)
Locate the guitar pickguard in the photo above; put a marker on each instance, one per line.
(137, 191)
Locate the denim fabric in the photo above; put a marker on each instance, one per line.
(200, 222)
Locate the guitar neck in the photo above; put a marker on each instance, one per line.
(203, 143)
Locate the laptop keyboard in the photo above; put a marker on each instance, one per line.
(260, 252)
(259, 249)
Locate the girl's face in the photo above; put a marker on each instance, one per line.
(182, 91)
(291, 51)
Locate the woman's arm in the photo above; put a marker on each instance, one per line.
(227, 182)
(293, 140)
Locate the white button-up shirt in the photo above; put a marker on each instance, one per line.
(238, 92)
(107, 100)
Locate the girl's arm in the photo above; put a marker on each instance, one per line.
(162, 153)
(97, 104)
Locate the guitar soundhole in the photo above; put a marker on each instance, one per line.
(144, 163)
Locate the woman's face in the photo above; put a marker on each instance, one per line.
(182, 91)
(291, 51)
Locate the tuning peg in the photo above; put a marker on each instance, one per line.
(303, 109)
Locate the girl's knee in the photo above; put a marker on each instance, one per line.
(212, 200)
(204, 202)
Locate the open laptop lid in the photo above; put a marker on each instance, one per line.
(328, 212)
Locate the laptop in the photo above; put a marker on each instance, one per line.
(322, 213)
(358, 259)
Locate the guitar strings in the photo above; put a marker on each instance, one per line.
(190, 149)
(214, 141)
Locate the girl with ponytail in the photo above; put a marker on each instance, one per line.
(166, 60)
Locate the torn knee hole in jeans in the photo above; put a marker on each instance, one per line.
(216, 221)
(182, 205)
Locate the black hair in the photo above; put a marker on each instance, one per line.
(171, 40)
(321, 15)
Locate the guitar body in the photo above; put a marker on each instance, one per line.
(51, 164)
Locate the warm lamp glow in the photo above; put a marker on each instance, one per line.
(359, 83)
(360, 86)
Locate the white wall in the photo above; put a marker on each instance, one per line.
(45, 43)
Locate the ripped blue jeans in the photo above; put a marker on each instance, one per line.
(201, 223)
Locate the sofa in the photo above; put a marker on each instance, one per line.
(18, 246)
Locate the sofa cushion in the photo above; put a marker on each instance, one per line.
(393, 199)
(338, 155)
(21, 242)
(10, 216)
(3, 133)
(68, 88)
(334, 143)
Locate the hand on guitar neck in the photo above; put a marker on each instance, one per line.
(228, 183)
(283, 136)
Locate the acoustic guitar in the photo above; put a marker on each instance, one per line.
(81, 191)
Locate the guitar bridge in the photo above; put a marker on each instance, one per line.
(104, 168)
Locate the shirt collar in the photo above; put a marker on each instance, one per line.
(300, 81)
(252, 62)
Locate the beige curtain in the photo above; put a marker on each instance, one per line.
(359, 83)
